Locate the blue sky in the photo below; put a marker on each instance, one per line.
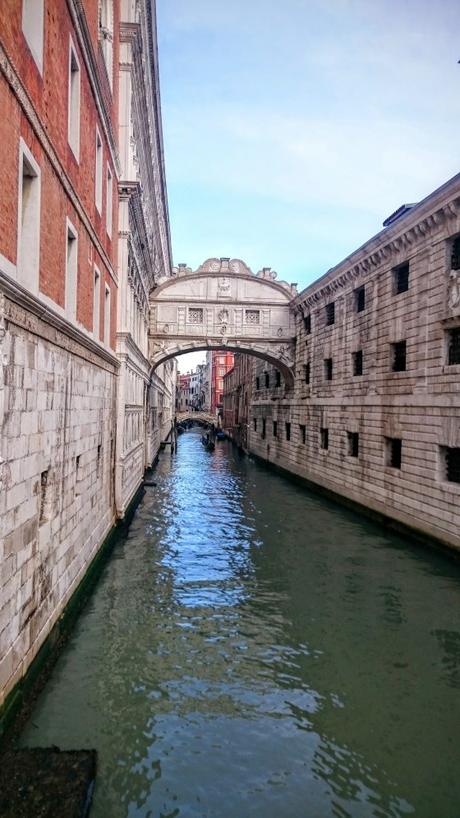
(293, 129)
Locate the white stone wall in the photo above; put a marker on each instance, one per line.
(56, 500)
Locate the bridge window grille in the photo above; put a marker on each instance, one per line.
(328, 369)
(195, 315)
(398, 356)
(252, 316)
(451, 457)
(307, 323)
(358, 362)
(307, 369)
(302, 432)
(324, 438)
(360, 298)
(353, 444)
(275, 428)
(330, 313)
(267, 380)
(288, 431)
(455, 255)
(401, 278)
(278, 377)
(264, 428)
(394, 452)
(454, 346)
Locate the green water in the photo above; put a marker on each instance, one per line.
(254, 651)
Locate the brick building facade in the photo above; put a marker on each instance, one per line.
(236, 399)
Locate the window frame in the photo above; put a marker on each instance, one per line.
(71, 275)
(28, 264)
(36, 26)
(74, 103)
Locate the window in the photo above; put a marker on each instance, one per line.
(302, 432)
(107, 316)
(109, 203)
(71, 268)
(398, 356)
(254, 420)
(78, 474)
(28, 256)
(307, 369)
(451, 463)
(393, 452)
(401, 278)
(96, 303)
(98, 177)
(106, 35)
(324, 438)
(195, 316)
(277, 377)
(353, 444)
(357, 358)
(32, 28)
(360, 299)
(453, 346)
(307, 323)
(328, 369)
(43, 511)
(73, 127)
(288, 431)
(257, 383)
(252, 316)
(264, 428)
(267, 380)
(275, 428)
(98, 460)
(455, 255)
(330, 313)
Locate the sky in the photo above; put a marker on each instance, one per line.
(293, 129)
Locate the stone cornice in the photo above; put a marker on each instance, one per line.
(8, 70)
(391, 246)
(29, 312)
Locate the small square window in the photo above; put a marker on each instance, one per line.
(451, 463)
(275, 428)
(360, 298)
(195, 315)
(288, 431)
(353, 444)
(328, 369)
(455, 254)
(453, 346)
(307, 323)
(393, 452)
(252, 316)
(330, 313)
(324, 438)
(357, 362)
(302, 432)
(401, 278)
(398, 356)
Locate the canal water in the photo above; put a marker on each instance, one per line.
(254, 651)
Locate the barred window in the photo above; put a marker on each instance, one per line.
(393, 452)
(307, 369)
(328, 369)
(330, 313)
(401, 278)
(453, 346)
(358, 362)
(353, 444)
(307, 323)
(252, 316)
(324, 438)
(195, 315)
(398, 356)
(360, 298)
(302, 432)
(451, 457)
(455, 255)
(288, 431)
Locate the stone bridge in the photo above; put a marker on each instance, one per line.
(223, 305)
(202, 417)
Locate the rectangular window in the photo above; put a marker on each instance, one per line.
(324, 438)
(71, 271)
(98, 171)
(453, 346)
(109, 203)
(32, 28)
(107, 316)
(252, 316)
(393, 452)
(275, 428)
(307, 369)
(330, 313)
(96, 303)
(254, 420)
(328, 369)
(278, 377)
(28, 254)
(451, 463)
(195, 315)
(353, 444)
(264, 428)
(398, 356)
(455, 254)
(307, 323)
(357, 362)
(288, 431)
(360, 299)
(267, 380)
(257, 383)
(43, 515)
(98, 460)
(401, 278)
(302, 432)
(73, 125)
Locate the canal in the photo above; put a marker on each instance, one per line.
(255, 651)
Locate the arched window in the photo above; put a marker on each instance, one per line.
(106, 35)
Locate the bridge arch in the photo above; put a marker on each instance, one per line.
(223, 305)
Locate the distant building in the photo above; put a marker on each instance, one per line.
(237, 398)
(221, 363)
(183, 393)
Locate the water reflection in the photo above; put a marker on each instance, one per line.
(253, 650)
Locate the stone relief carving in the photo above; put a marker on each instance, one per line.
(223, 287)
(222, 316)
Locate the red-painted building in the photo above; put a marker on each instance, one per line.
(221, 363)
